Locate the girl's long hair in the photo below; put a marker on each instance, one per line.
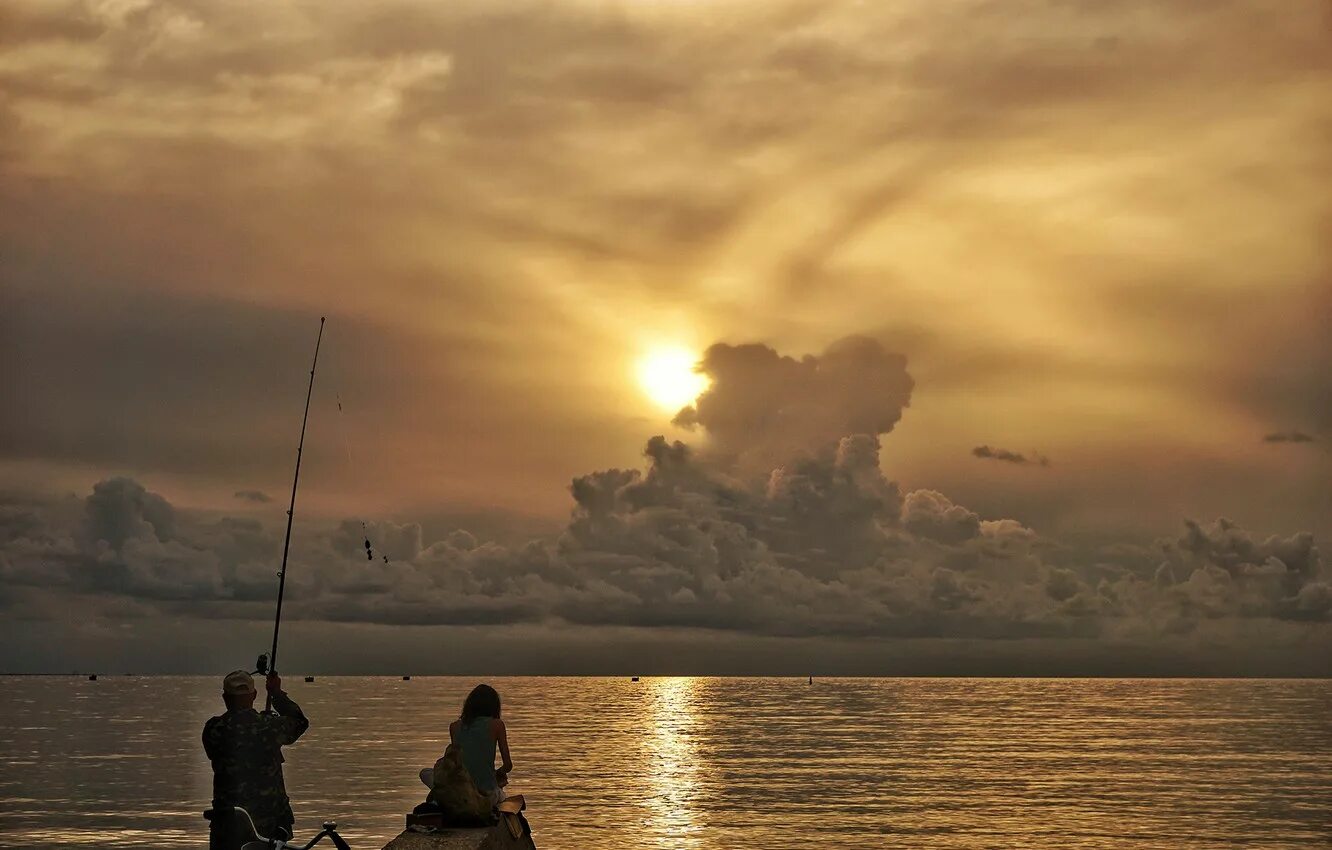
(483, 701)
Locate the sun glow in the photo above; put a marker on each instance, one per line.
(667, 377)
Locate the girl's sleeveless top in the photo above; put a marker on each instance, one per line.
(478, 753)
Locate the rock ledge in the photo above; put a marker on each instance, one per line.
(492, 838)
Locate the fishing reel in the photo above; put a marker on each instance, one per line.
(261, 669)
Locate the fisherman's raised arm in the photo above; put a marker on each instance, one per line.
(291, 722)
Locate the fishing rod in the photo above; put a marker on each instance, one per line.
(265, 664)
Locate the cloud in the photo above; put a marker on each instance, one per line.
(144, 142)
(1231, 572)
(1007, 456)
(192, 179)
(823, 544)
(259, 497)
(763, 408)
(931, 515)
(121, 509)
(1288, 437)
(831, 509)
(824, 548)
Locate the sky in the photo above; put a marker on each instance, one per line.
(1010, 322)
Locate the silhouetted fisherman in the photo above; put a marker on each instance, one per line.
(245, 748)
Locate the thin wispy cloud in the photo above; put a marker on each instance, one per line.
(990, 453)
(1288, 437)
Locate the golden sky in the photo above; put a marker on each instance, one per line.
(1068, 261)
(1098, 232)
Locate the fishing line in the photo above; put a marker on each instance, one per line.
(346, 448)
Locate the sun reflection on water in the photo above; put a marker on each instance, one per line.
(714, 764)
(673, 764)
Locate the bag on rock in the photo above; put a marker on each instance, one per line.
(455, 793)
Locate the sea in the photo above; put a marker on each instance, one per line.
(745, 763)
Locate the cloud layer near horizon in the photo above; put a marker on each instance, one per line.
(829, 551)
(822, 545)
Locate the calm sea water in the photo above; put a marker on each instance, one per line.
(713, 763)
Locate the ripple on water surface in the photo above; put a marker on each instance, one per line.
(713, 763)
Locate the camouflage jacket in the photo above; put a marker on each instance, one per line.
(245, 748)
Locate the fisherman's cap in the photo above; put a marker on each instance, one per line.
(238, 683)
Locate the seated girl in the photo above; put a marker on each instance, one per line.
(477, 733)
(464, 782)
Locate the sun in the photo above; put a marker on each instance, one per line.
(667, 376)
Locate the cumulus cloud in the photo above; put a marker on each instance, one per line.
(819, 541)
(1230, 571)
(259, 497)
(1288, 437)
(763, 408)
(121, 509)
(797, 533)
(932, 515)
(823, 547)
(988, 453)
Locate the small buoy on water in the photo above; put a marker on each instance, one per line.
(309, 678)
(634, 679)
(92, 678)
(406, 678)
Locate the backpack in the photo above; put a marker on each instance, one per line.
(455, 793)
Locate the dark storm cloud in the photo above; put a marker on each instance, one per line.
(763, 408)
(986, 452)
(1288, 437)
(259, 497)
